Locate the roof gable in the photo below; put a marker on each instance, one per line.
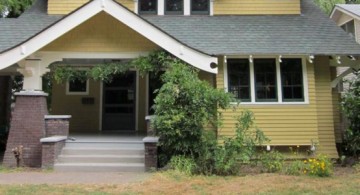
(122, 14)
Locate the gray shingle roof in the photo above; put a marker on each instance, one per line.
(14, 31)
(310, 33)
(353, 8)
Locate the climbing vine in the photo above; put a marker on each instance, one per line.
(154, 62)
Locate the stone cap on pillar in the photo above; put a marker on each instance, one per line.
(31, 93)
(151, 140)
(53, 139)
(49, 117)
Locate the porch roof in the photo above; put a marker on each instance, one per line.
(312, 32)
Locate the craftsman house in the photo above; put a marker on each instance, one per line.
(278, 58)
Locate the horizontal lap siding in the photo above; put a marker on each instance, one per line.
(256, 7)
(84, 118)
(325, 106)
(283, 124)
(66, 6)
(102, 33)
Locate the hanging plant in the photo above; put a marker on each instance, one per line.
(154, 62)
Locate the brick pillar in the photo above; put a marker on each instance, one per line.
(27, 127)
(151, 153)
(57, 125)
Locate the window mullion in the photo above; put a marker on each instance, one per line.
(278, 83)
(252, 82)
(161, 7)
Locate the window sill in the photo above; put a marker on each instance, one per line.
(269, 103)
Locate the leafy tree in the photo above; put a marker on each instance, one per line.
(13, 8)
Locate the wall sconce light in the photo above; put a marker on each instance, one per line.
(338, 59)
(280, 58)
(225, 59)
(311, 59)
(268, 148)
(251, 60)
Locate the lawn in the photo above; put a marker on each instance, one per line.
(345, 181)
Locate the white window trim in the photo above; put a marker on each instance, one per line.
(187, 7)
(161, 7)
(68, 92)
(278, 77)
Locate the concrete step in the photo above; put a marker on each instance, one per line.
(115, 145)
(101, 151)
(101, 159)
(99, 167)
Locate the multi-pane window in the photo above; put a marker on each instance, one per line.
(265, 80)
(239, 79)
(292, 80)
(200, 7)
(147, 6)
(174, 6)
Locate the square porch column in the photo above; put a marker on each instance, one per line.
(27, 124)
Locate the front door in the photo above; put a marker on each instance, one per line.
(119, 103)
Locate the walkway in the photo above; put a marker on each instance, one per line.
(71, 178)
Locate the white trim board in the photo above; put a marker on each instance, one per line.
(122, 14)
(278, 78)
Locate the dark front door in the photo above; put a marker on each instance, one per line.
(119, 103)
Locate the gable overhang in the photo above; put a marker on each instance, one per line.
(338, 11)
(188, 54)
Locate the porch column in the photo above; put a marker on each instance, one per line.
(27, 125)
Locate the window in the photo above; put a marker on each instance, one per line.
(174, 6)
(147, 6)
(292, 80)
(265, 80)
(349, 28)
(239, 79)
(77, 87)
(200, 7)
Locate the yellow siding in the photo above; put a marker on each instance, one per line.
(85, 118)
(66, 6)
(102, 33)
(283, 124)
(325, 110)
(256, 7)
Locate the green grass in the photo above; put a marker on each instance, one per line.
(344, 181)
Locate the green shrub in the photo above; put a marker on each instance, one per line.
(227, 158)
(272, 161)
(183, 107)
(351, 109)
(183, 164)
(296, 168)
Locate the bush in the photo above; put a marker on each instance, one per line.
(296, 168)
(183, 107)
(183, 164)
(272, 161)
(351, 108)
